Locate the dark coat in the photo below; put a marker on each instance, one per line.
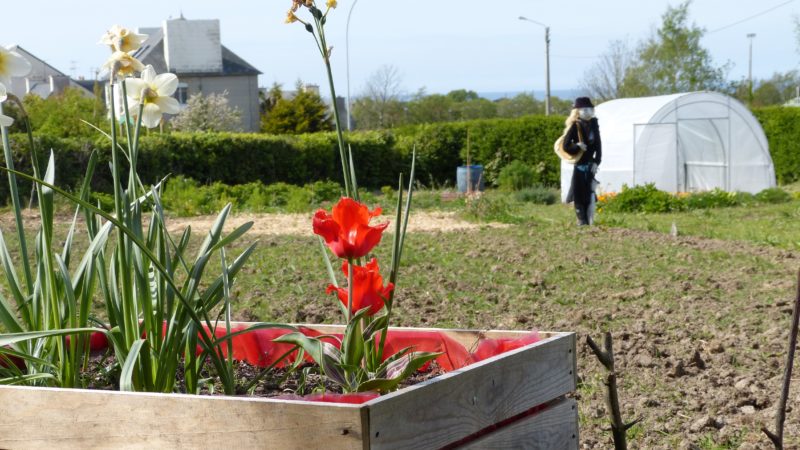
(590, 134)
(581, 190)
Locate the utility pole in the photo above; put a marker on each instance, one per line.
(750, 67)
(546, 62)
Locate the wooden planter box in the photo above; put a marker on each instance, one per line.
(514, 400)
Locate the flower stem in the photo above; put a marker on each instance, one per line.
(12, 184)
(349, 289)
(348, 184)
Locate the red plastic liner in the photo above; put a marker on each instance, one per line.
(257, 348)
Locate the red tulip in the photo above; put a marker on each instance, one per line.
(346, 231)
(368, 289)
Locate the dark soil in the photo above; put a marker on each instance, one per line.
(102, 374)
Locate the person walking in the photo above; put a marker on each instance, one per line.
(582, 142)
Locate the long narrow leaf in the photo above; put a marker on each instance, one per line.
(13, 338)
(126, 373)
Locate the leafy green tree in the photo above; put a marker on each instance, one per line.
(429, 108)
(63, 114)
(304, 113)
(776, 90)
(520, 105)
(673, 60)
(208, 113)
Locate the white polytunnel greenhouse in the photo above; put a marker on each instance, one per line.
(694, 141)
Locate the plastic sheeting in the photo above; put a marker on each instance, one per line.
(682, 143)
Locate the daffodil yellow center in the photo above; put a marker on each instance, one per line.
(3, 62)
(149, 95)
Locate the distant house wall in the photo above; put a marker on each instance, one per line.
(242, 94)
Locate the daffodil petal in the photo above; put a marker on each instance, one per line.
(6, 121)
(3, 92)
(135, 86)
(166, 84)
(148, 74)
(168, 105)
(151, 115)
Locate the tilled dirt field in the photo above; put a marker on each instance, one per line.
(700, 326)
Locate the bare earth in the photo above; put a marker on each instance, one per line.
(300, 224)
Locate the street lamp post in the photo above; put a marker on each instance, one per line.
(750, 66)
(347, 58)
(546, 61)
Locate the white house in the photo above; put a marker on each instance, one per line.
(43, 80)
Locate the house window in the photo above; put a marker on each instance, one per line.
(182, 93)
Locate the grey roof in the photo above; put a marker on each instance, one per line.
(152, 52)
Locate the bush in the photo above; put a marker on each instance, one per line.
(517, 175)
(773, 195)
(716, 198)
(645, 198)
(186, 197)
(537, 194)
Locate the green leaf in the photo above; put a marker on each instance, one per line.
(13, 338)
(126, 375)
(353, 340)
(24, 379)
(398, 371)
(326, 355)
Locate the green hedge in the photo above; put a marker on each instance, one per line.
(441, 147)
(236, 158)
(228, 158)
(782, 127)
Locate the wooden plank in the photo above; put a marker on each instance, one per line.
(555, 428)
(73, 418)
(460, 403)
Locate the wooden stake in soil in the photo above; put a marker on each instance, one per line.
(777, 436)
(606, 357)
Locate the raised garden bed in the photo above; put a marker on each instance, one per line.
(517, 399)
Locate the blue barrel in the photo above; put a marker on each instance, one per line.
(475, 178)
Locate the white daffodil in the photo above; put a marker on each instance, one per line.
(155, 93)
(4, 120)
(122, 64)
(122, 39)
(12, 64)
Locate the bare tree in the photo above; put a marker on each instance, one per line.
(379, 104)
(603, 81)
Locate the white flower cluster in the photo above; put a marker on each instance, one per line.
(151, 94)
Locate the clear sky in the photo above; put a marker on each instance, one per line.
(473, 44)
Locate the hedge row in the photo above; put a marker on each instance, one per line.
(380, 156)
(782, 127)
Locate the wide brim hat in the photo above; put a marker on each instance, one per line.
(583, 102)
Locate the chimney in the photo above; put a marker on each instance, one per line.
(192, 46)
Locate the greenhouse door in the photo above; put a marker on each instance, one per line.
(655, 155)
(703, 145)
